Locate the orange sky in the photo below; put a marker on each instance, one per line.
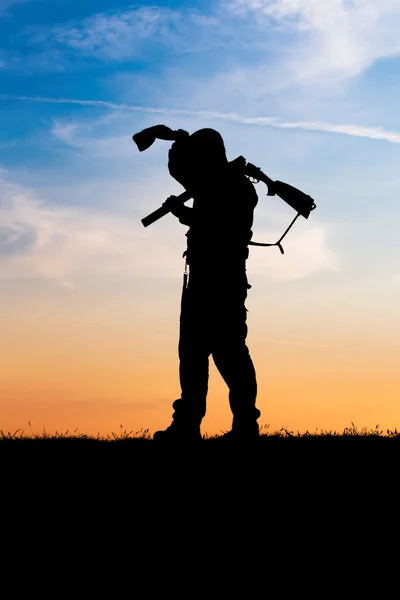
(93, 362)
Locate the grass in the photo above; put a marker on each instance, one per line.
(66, 481)
(119, 451)
(20, 435)
(144, 435)
(130, 458)
(311, 453)
(129, 464)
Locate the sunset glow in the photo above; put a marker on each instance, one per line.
(90, 299)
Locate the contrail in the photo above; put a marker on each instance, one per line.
(377, 133)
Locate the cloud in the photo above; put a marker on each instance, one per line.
(114, 36)
(307, 253)
(123, 34)
(80, 136)
(68, 132)
(329, 39)
(276, 43)
(62, 243)
(16, 238)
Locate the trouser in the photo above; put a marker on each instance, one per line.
(213, 322)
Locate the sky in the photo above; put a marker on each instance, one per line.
(309, 91)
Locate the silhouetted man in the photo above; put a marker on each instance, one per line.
(213, 312)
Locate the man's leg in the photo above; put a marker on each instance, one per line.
(194, 352)
(232, 359)
(237, 370)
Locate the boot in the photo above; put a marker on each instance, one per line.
(243, 432)
(179, 432)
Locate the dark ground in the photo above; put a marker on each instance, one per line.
(136, 461)
(282, 511)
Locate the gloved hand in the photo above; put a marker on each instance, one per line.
(146, 138)
(174, 205)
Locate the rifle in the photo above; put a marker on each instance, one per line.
(302, 203)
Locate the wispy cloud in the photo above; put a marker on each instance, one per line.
(276, 43)
(307, 253)
(63, 243)
(79, 135)
(47, 241)
(329, 38)
(123, 34)
(117, 35)
(66, 132)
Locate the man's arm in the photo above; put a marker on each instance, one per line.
(186, 216)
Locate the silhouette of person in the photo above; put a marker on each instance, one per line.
(213, 311)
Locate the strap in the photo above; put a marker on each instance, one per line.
(278, 243)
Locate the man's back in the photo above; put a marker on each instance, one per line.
(222, 218)
(223, 199)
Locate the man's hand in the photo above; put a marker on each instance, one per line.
(174, 205)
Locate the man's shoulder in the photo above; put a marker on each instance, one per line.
(244, 186)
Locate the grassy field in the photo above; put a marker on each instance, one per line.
(126, 473)
(144, 436)
(274, 450)
(125, 498)
(278, 460)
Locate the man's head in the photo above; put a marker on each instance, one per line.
(197, 157)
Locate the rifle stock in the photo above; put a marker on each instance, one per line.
(298, 200)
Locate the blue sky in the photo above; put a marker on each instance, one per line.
(306, 89)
